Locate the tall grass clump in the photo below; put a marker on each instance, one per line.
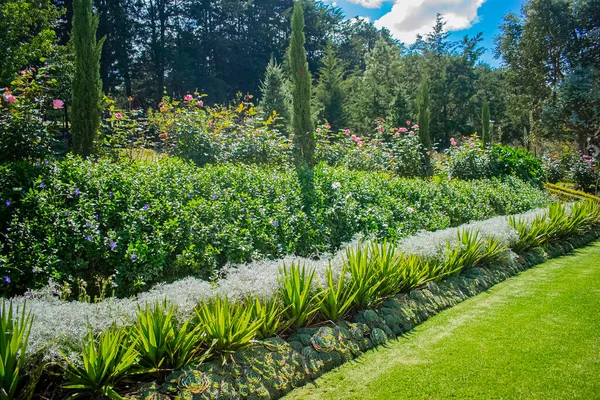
(299, 301)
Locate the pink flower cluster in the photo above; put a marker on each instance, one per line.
(453, 142)
(7, 96)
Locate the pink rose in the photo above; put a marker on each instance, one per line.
(452, 142)
(472, 145)
(57, 104)
(200, 103)
(188, 97)
(380, 128)
(347, 131)
(328, 126)
(318, 130)
(9, 97)
(415, 126)
(403, 130)
(407, 122)
(119, 115)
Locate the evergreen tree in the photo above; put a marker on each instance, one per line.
(378, 87)
(330, 95)
(304, 136)
(87, 86)
(400, 112)
(424, 115)
(275, 92)
(485, 124)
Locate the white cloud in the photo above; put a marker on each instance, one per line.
(409, 18)
(368, 3)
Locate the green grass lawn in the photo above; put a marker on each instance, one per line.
(535, 336)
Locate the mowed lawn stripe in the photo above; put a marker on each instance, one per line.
(534, 336)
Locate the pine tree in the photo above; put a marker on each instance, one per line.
(399, 113)
(304, 136)
(276, 94)
(330, 95)
(378, 86)
(87, 86)
(424, 115)
(485, 124)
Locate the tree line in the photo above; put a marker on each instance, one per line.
(360, 76)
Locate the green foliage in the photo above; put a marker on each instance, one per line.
(87, 87)
(517, 162)
(472, 160)
(276, 96)
(486, 134)
(163, 346)
(106, 361)
(26, 35)
(425, 115)
(228, 325)
(135, 225)
(400, 113)
(302, 125)
(337, 297)
(329, 91)
(377, 89)
(14, 333)
(299, 302)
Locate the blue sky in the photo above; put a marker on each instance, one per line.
(405, 18)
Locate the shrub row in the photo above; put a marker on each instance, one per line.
(160, 340)
(95, 225)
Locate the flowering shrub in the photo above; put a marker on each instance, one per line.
(470, 160)
(396, 150)
(136, 225)
(552, 168)
(25, 130)
(584, 172)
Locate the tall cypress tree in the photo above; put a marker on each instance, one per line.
(304, 136)
(485, 124)
(87, 86)
(424, 115)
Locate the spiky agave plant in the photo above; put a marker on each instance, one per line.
(299, 301)
(268, 312)
(227, 324)
(337, 297)
(105, 362)
(162, 345)
(14, 335)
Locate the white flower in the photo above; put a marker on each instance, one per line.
(410, 209)
(336, 185)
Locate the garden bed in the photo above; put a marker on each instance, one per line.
(274, 367)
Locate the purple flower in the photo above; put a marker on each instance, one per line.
(112, 245)
(76, 192)
(214, 196)
(243, 210)
(7, 202)
(145, 208)
(96, 217)
(134, 256)
(275, 223)
(38, 164)
(241, 200)
(42, 185)
(110, 195)
(89, 238)
(6, 279)
(47, 162)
